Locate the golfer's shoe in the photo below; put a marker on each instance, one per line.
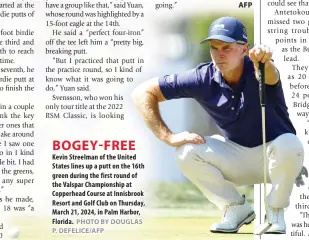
(235, 215)
(276, 217)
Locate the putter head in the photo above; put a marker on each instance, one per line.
(262, 229)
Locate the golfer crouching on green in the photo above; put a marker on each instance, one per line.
(228, 89)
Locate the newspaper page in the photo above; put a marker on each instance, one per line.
(283, 25)
(131, 119)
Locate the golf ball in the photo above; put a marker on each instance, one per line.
(13, 232)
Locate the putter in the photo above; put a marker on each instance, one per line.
(264, 227)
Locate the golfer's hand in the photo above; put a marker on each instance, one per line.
(185, 137)
(299, 180)
(260, 53)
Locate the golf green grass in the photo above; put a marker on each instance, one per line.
(177, 228)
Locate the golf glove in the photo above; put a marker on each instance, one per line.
(299, 180)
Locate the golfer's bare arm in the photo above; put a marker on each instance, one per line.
(146, 97)
(271, 73)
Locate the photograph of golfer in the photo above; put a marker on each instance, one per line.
(227, 88)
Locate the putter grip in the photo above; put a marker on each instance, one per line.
(262, 83)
